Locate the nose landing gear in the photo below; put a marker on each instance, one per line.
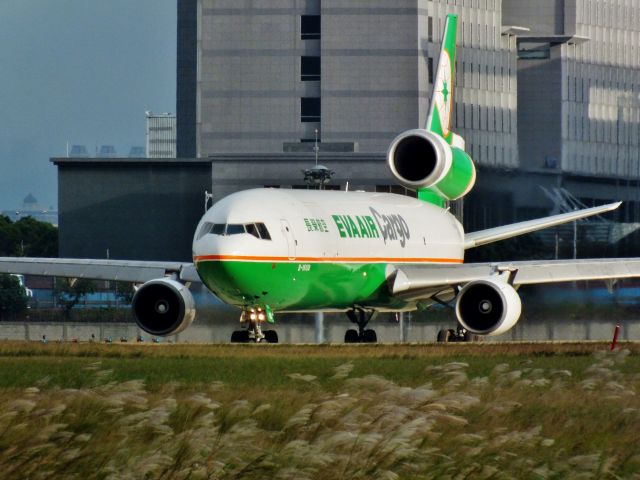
(253, 318)
(361, 318)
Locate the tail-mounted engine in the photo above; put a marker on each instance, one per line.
(421, 160)
(163, 307)
(488, 307)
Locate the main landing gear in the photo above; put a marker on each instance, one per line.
(361, 318)
(460, 334)
(253, 333)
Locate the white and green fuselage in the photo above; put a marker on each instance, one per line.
(327, 250)
(333, 250)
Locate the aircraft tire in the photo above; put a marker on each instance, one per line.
(351, 336)
(240, 336)
(271, 336)
(369, 336)
(443, 336)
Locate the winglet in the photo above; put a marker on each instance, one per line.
(441, 107)
(482, 237)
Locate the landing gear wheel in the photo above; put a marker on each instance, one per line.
(270, 336)
(369, 336)
(443, 336)
(351, 336)
(240, 336)
(361, 318)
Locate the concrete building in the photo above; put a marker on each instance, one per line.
(160, 135)
(578, 86)
(262, 78)
(126, 208)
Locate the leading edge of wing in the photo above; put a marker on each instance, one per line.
(482, 237)
(121, 270)
(422, 281)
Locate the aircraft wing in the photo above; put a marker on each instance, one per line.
(482, 237)
(124, 270)
(415, 282)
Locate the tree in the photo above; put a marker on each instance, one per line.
(69, 292)
(35, 238)
(7, 237)
(27, 237)
(13, 298)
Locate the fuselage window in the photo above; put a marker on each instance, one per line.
(264, 233)
(235, 229)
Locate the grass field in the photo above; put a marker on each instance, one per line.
(319, 412)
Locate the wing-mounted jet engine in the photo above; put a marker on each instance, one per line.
(163, 307)
(489, 306)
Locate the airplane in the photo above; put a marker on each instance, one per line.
(269, 251)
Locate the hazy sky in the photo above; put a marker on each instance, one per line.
(78, 71)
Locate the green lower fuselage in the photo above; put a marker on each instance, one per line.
(299, 286)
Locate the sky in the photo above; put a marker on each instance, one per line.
(78, 71)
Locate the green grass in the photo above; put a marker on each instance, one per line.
(319, 412)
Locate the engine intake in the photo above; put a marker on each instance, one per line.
(488, 307)
(421, 159)
(163, 307)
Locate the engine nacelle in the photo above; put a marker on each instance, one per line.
(488, 307)
(163, 307)
(420, 159)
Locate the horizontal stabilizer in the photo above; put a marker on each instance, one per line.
(482, 237)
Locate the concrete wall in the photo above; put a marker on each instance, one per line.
(304, 332)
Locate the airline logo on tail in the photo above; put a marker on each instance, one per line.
(439, 120)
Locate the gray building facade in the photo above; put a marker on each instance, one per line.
(578, 86)
(264, 77)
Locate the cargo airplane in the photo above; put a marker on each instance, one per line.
(274, 250)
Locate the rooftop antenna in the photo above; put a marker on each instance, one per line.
(316, 148)
(319, 175)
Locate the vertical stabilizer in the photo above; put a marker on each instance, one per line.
(441, 107)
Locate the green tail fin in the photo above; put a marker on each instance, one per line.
(441, 108)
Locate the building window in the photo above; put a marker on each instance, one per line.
(310, 27)
(430, 29)
(310, 69)
(310, 109)
(534, 51)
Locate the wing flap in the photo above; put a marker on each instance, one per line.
(124, 270)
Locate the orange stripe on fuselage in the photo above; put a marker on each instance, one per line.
(250, 258)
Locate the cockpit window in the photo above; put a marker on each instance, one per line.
(218, 229)
(258, 230)
(264, 233)
(235, 229)
(252, 230)
(206, 228)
